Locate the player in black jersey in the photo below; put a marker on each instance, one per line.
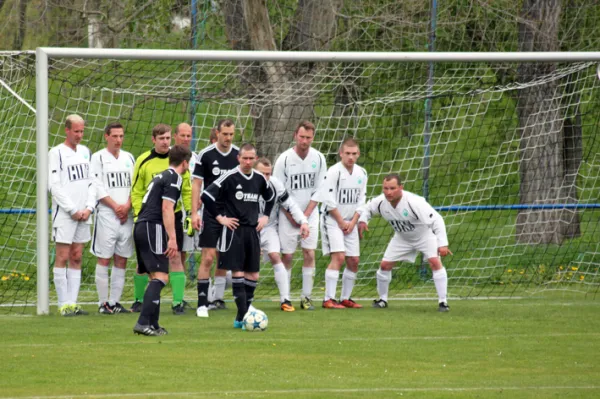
(214, 161)
(155, 237)
(235, 199)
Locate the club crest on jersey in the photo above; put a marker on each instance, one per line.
(314, 165)
(216, 171)
(404, 212)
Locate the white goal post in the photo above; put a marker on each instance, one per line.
(46, 55)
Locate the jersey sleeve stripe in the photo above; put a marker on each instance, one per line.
(209, 196)
(169, 199)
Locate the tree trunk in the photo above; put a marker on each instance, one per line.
(281, 93)
(541, 123)
(22, 27)
(573, 154)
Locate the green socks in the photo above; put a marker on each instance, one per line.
(177, 280)
(140, 281)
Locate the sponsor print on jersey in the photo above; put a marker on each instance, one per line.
(246, 197)
(218, 171)
(348, 196)
(402, 226)
(118, 179)
(302, 181)
(79, 171)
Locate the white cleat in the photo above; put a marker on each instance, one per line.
(202, 311)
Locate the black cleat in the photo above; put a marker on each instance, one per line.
(136, 307)
(78, 311)
(186, 305)
(443, 307)
(217, 304)
(145, 330)
(105, 308)
(161, 330)
(178, 310)
(380, 304)
(118, 308)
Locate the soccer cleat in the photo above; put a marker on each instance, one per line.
(349, 303)
(186, 304)
(161, 330)
(238, 324)
(145, 330)
(178, 310)
(380, 304)
(67, 311)
(287, 306)
(118, 308)
(306, 304)
(202, 311)
(136, 307)
(105, 308)
(443, 307)
(332, 304)
(219, 304)
(78, 311)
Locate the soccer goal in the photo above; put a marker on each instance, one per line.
(504, 145)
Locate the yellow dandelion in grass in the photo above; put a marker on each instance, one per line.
(15, 274)
(560, 267)
(574, 268)
(26, 278)
(4, 278)
(581, 278)
(509, 270)
(522, 271)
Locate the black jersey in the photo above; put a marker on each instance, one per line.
(213, 163)
(164, 186)
(237, 195)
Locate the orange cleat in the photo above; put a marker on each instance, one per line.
(287, 306)
(349, 303)
(332, 304)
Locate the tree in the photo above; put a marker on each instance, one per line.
(281, 93)
(544, 158)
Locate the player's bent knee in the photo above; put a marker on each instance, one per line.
(387, 266)
(164, 277)
(352, 263)
(435, 263)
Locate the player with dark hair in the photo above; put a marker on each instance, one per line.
(212, 162)
(112, 172)
(156, 239)
(234, 199)
(418, 228)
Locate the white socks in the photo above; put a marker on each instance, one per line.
(282, 280)
(220, 283)
(117, 282)
(383, 283)
(73, 283)
(60, 283)
(102, 283)
(440, 279)
(308, 276)
(331, 280)
(348, 279)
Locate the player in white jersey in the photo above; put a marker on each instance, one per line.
(269, 237)
(301, 169)
(418, 227)
(73, 200)
(112, 173)
(342, 193)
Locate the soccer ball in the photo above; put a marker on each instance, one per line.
(256, 320)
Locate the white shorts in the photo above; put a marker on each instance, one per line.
(269, 241)
(400, 249)
(333, 238)
(289, 235)
(111, 237)
(71, 231)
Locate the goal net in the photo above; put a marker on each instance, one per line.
(507, 152)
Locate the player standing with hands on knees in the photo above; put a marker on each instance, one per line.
(341, 194)
(234, 200)
(156, 239)
(73, 201)
(418, 228)
(301, 169)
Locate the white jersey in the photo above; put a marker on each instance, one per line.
(411, 219)
(112, 177)
(282, 199)
(301, 177)
(70, 182)
(343, 190)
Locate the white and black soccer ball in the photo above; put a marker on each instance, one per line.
(256, 320)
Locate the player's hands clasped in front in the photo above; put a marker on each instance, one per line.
(122, 212)
(349, 227)
(230, 223)
(171, 251)
(362, 227)
(262, 222)
(444, 251)
(304, 230)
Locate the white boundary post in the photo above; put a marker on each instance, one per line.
(41, 101)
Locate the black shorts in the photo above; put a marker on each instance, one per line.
(150, 246)
(211, 231)
(179, 229)
(239, 250)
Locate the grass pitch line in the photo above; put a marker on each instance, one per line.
(306, 391)
(275, 339)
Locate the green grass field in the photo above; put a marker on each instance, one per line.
(532, 348)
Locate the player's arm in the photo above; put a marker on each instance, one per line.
(186, 195)
(367, 211)
(437, 225)
(210, 196)
(269, 195)
(361, 201)
(196, 201)
(171, 194)
(56, 190)
(98, 181)
(320, 180)
(138, 189)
